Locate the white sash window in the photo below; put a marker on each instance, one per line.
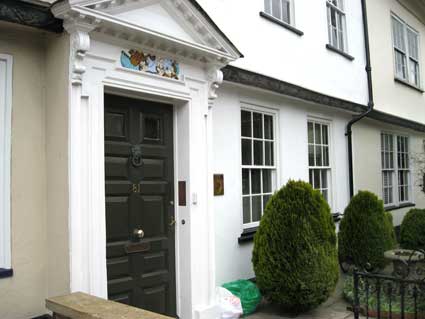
(258, 164)
(318, 158)
(337, 25)
(396, 175)
(406, 52)
(279, 9)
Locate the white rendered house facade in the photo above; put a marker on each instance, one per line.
(277, 81)
(148, 102)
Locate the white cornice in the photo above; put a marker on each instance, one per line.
(89, 14)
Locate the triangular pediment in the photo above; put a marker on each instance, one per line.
(159, 16)
(182, 24)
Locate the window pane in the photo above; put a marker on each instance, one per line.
(316, 179)
(246, 152)
(258, 153)
(324, 173)
(268, 127)
(412, 42)
(318, 133)
(267, 181)
(245, 181)
(319, 161)
(326, 156)
(341, 45)
(400, 62)
(256, 208)
(246, 123)
(258, 125)
(285, 11)
(311, 155)
(325, 195)
(269, 154)
(267, 6)
(256, 181)
(325, 134)
(266, 199)
(246, 210)
(414, 72)
(311, 177)
(310, 133)
(276, 9)
(398, 35)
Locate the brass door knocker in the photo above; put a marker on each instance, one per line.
(136, 156)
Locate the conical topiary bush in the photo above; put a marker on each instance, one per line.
(295, 256)
(366, 232)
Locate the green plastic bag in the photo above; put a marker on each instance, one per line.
(247, 292)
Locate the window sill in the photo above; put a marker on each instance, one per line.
(281, 23)
(338, 51)
(247, 235)
(6, 273)
(404, 82)
(395, 207)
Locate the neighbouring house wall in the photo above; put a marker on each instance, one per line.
(22, 296)
(57, 67)
(272, 50)
(367, 160)
(391, 96)
(233, 260)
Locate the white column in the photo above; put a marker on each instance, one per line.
(203, 220)
(86, 169)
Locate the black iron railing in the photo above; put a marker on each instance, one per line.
(400, 295)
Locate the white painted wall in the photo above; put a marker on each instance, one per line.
(390, 96)
(233, 261)
(272, 50)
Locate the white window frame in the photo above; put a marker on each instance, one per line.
(275, 174)
(406, 54)
(387, 167)
(328, 168)
(340, 10)
(291, 15)
(5, 159)
(395, 172)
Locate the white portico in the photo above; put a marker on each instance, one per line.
(188, 52)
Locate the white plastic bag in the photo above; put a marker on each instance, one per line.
(230, 305)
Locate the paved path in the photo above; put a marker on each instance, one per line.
(332, 309)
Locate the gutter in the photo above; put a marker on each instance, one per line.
(370, 104)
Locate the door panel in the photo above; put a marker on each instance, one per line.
(139, 195)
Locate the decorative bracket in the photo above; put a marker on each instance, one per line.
(215, 79)
(78, 26)
(80, 44)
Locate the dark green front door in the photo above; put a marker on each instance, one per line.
(139, 203)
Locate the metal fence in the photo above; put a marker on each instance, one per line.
(400, 295)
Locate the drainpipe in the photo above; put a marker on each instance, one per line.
(370, 104)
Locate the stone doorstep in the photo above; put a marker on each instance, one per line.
(83, 306)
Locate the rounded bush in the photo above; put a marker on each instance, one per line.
(295, 257)
(412, 230)
(366, 232)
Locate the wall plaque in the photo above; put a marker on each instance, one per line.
(182, 193)
(218, 184)
(141, 61)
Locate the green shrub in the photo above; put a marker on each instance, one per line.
(366, 232)
(412, 231)
(295, 257)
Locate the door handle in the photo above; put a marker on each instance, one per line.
(139, 233)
